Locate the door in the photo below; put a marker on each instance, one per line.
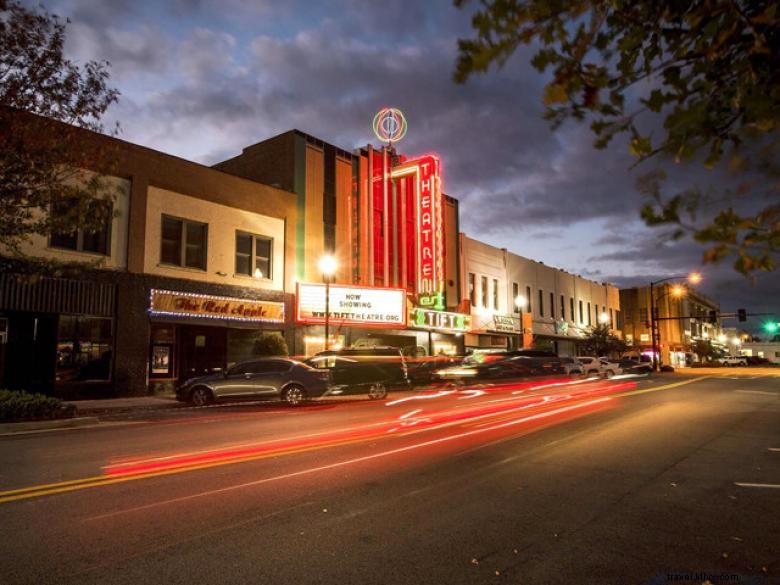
(202, 351)
(268, 376)
(31, 352)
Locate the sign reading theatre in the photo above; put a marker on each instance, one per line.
(351, 305)
(181, 304)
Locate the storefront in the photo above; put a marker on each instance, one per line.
(494, 331)
(444, 331)
(197, 334)
(57, 335)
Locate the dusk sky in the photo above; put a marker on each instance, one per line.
(201, 80)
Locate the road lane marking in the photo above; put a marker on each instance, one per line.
(97, 481)
(757, 392)
(664, 387)
(774, 448)
(775, 486)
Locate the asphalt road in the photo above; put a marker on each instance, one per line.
(625, 481)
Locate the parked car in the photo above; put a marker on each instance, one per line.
(633, 366)
(423, 371)
(754, 360)
(371, 370)
(572, 366)
(609, 368)
(590, 366)
(733, 360)
(263, 378)
(508, 368)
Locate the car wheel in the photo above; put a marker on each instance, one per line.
(294, 395)
(377, 391)
(201, 396)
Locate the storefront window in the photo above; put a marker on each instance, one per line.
(83, 348)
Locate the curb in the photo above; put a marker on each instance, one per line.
(43, 425)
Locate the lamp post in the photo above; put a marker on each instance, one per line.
(327, 266)
(693, 278)
(520, 302)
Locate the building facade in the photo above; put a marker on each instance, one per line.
(556, 308)
(193, 266)
(683, 320)
(392, 231)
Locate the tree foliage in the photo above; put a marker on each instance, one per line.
(44, 100)
(708, 70)
(600, 342)
(270, 344)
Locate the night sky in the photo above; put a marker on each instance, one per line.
(202, 79)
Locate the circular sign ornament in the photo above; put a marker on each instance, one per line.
(390, 125)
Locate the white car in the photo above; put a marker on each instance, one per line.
(609, 369)
(733, 360)
(590, 366)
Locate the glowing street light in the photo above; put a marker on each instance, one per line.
(327, 266)
(604, 318)
(693, 278)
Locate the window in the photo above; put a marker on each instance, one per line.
(183, 243)
(484, 292)
(611, 316)
(571, 309)
(472, 289)
(582, 320)
(618, 320)
(515, 294)
(80, 240)
(495, 294)
(541, 303)
(253, 255)
(528, 299)
(590, 322)
(643, 315)
(552, 305)
(83, 348)
(563, 307)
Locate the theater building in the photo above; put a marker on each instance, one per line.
(392, 231)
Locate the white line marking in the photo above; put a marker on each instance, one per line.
(757, 392)
(774, 448)
(775, 486)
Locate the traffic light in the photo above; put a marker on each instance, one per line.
(770, 327)
(713, 317)
(742, 315)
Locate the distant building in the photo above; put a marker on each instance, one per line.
(681, 322)
(769, 350)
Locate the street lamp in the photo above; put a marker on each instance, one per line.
(693, 278)
(604, 318)
(520, 302)
(327, 265)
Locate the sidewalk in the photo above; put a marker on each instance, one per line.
(128, 404)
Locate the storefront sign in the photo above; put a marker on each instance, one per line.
(505, 324)
(351, 305)
(439, 320)
(180, 304)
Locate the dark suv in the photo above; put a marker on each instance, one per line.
(371, 370)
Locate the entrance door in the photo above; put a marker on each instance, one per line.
(202, 351)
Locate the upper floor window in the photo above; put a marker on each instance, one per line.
(81, 240)
(253, 255)
(472, 289)
(484, 291)
(590, 321)
(528, 299)
(183, 243)
(515, 294)
(563, 307)
(571, 309)
(541, 303)
(582, 319)
(495, 294)
(552, 305)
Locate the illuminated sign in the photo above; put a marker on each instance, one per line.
(181, 304)
(425, 172)
(390, 125)
(428, 319)
(351, 305)
(504, 324)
